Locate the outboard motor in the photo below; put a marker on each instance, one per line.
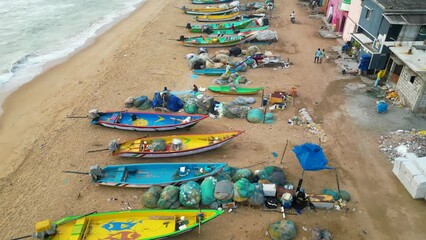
(95, 172)
(188, 26)
(265, 21)
(182, 38)
(93, 114)
(207, 29)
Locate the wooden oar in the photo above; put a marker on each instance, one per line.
(75, 172)
(23, 237)
(98, 150)
(77, 116)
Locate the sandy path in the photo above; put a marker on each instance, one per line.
(134, 59)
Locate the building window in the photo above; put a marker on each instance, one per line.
(368, 13)
(412, 78)
(422, 34)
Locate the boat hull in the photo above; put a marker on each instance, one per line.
(211, 71)
(210, 1)
(237, 91)
(132, 224)
(221, 26)
(217, 18)
(190, 144)
(146, 175)
(207, 11)
(146, 122)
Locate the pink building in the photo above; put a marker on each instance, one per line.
(337, 13)
(353, 18)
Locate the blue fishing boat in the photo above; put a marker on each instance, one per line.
(144, 121)
(210, 1)
(211, 71)
(146, 175)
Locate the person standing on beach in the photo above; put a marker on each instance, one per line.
(322, 56)
(317, 56)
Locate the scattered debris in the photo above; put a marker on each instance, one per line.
(400, 142)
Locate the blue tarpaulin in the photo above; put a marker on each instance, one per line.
(311, 157)
(174, 103)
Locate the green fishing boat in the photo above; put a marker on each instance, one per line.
(199, 28)
(236, 31)
(216, 41)
(234, 90)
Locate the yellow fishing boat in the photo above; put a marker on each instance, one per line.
(208, 10)
(129, 225)
(172, 145)
(218, 18)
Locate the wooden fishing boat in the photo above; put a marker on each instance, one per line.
(145, 175)
(171, 146)
(211, 71)
(208, 10)
(236, 31)
(216, 41)
(144, 121)
(197, 28)
(217, 18)
(236, 90)
(130, 224)
(210, 1)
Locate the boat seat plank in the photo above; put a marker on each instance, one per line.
(79, 229)
(121, 171)
(115, 117)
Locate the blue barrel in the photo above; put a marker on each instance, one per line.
(382, 107)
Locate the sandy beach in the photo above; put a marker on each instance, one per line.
(135, 57)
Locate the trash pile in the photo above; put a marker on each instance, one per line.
(401, 142)
(312, 127)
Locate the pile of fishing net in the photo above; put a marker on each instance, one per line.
(190, 194)
(141, 103)
(257, 116)
(226, 79)
(158, 144)
(169, 198)
(201, 104)
(243, 189)
(282, 230)
(231, 110)
(272, 174)
(150, 198)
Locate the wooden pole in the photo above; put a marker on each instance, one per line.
(285, 148)
(337, 181)
(98, 150)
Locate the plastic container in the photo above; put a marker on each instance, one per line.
(382, 106)
(269, 190)
(286, 200)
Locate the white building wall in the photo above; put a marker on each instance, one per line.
(410, 91)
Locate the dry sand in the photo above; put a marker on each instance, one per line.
(135, 58)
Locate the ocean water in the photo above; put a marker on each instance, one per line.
(34, 33)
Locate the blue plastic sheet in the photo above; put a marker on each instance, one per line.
(311, 157)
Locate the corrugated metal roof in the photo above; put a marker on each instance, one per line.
(407, 19)
(403, 4)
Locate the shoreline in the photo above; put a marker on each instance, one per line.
(47, 83)
(11, 87)
(135, 58)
